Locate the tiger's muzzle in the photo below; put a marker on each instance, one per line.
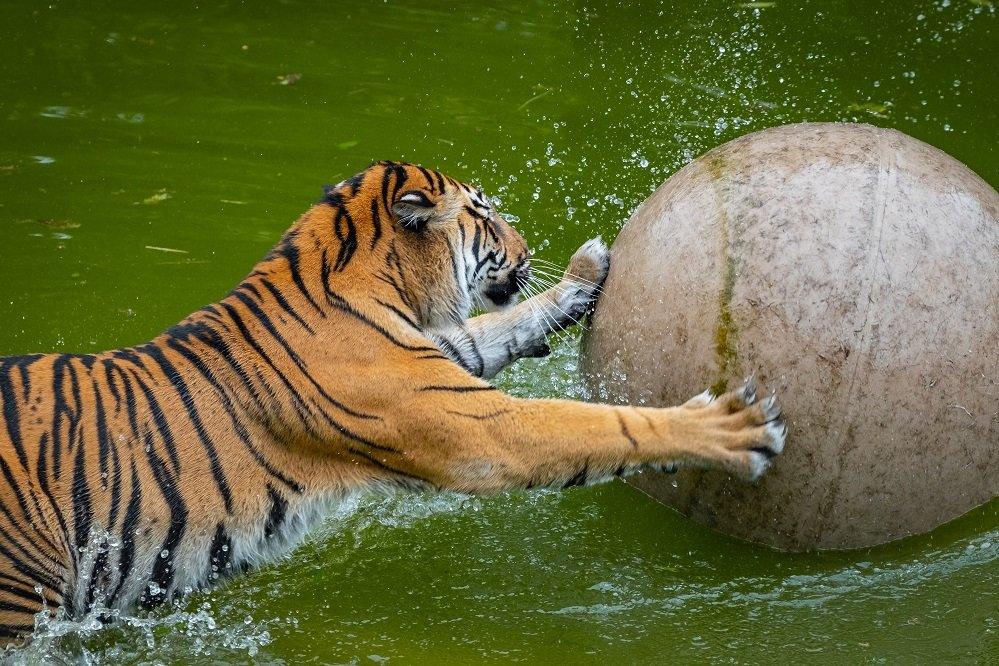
(501, 293)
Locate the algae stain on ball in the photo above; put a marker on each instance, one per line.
(856, 270)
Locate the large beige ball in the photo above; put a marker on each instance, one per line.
(856, 271)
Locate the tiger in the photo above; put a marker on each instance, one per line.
(348, 361)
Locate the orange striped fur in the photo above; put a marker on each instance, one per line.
(346, 361)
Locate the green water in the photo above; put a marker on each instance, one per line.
(149, 157)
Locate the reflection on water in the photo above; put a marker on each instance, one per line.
(149, 158)
(802, 591)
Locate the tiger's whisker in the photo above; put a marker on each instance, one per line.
(572, 277)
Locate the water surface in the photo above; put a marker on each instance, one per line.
(148, 158)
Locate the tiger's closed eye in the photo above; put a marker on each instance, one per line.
(416, 198)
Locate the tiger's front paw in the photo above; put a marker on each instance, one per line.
(584, 278)
(740, 434)
(589, 265)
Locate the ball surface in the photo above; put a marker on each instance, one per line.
(853, 269)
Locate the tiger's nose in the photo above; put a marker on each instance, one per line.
(523, 272)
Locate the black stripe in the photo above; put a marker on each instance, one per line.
(490, 230)
(337, 301)
(27, 595)
(220, 555)
(476, 242)
(98, 578)
(115, 487)
(480, 417)
(252, 288)
(393, 261)
(262, 317)
(346, 233)
(275, 517)
(326, 269)
(427, 177)
(454, 265)
(61, 410)
(103, 439)
(376, 221)
(288, 250)
(83, 514)
(238, 427)
(298, 403)
(29, 518)
(39, 576)
(625, 431)
(400, 178)
(12, 420)
(386, 175)
(112, 384)
(43, 483)
(490, 256)
(388, 468)
(213, 339)
(355, 183)
(479, 360)
(10, 412)
(129, 394)
(133, 357)
(163, 569)
(160, 421)
(476, 214)
(126, 557)
(402, 315)
(453, 353)
(28, 536)
(11, 607)
(23, 365)
(180, 386)
(400, 292)
(649, 422)
(458, 389)
(284, 305)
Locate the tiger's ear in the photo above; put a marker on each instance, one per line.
(414, 210)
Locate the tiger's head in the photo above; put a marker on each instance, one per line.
(443, 238)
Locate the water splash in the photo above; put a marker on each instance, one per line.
(143, 639)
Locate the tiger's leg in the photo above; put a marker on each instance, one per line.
(488, 343)
(485, 441)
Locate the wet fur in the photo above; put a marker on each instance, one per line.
(344, 362)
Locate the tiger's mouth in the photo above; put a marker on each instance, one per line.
(503, 293)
